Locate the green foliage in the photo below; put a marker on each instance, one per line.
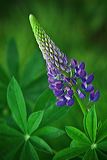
(25, 137)
(85, 144)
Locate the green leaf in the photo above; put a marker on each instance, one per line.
(13, 58)
(17, 104)
(49, 132)
(5, 130)
(34, 89)
(40, 144)
(9, 139)
(77, 135)
(53, 113)
(90, 155)
(34, 68)
(101, 155)
(68, 153)
(28, 152)
(102, 145)
(11, 155)
(43, 102)
(34, 120)
(83, 146)
(102, 132)
(3, 76)
(91, 123)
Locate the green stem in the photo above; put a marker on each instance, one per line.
(82, 106)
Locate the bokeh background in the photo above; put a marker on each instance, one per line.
(79, 28)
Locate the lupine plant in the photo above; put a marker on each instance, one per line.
(31, 134)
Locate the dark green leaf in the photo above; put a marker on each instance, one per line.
(34, 68)
(49, 132)
(13, 58)
(34, 89)
(77, 135)
(102, 145)
(68, 153)
(101, 155)
(34, 120)
(90, 155)
(53, 113)
(40, 144)
(9, 139)
(43, 101)
(91, 123)
(77, 144)
(29, 152)
(11, 155)
(3, 76)
(102, 132)
(5, 130)
(17, 104)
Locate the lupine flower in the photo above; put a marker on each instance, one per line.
(65, 78)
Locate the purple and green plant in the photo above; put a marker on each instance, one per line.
(69, 80)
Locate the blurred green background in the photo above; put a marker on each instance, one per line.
(79, 28)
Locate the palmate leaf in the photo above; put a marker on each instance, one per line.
(77, 135)
(13, 58)
(17, 104)
(34, 120)
(102, 133)
(91, 123)
(49, 132)
(90, 155)
(28, 152)
(68, 153)
(40, 144)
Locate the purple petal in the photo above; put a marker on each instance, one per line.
(81, 73)
(89, 88)
(70, 92)
(70, 102)
(81, 95)
(61, 102)
(58, 84)
(90, 78)
(82, 65)
(94, 96)
(58, 92)
(74, 63)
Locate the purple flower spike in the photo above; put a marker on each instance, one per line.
(94, 96)
(90, 78)
(64, 77)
